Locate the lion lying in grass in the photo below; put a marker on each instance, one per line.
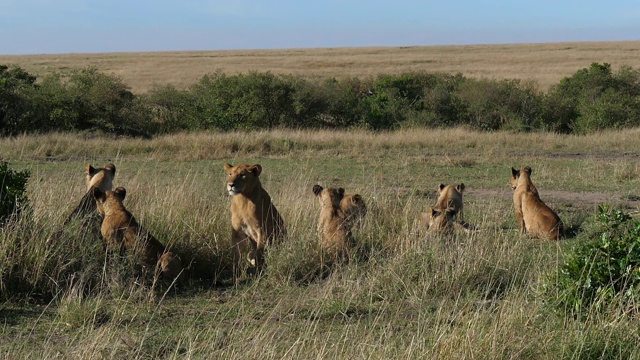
(255, 221)
(532, 214)
(121, 231)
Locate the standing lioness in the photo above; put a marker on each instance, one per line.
(532, 214)
(255, 222)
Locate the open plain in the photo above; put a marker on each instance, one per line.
(404, 294)
(545, 64)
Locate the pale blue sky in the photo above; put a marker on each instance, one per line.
(77, 26)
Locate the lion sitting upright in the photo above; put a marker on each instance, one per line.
(532, 214)
(121, 231)
(450, 197)
(101, 178)
(255, 221)
(441, 217)
(338, 214)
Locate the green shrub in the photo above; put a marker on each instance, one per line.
(505, 104)
(601, 271)
(13, 187)
(14, 106)
(593, 99)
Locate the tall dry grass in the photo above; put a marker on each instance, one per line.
(404, 294)
(545, 64)
(316, 143)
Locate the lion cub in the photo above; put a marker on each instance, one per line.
(338, 214)
(532, 214)
(255, 221)
(121, 231)
(440, 221)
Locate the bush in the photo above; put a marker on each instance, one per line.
(14, 106)
(13, 187)
(593, 99)
(494, 105)
(596, 273)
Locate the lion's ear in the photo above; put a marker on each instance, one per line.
(228, 167)
(120, 192)
(460, 188)
(441, 187)
(97, 193)
(356, 199)
(434, 212)
(256, 169)
(527, 170)
(317, 189)
(515, 173)
(111, 168)
(341, 191)
(89, 170)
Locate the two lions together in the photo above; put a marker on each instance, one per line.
(532, 215)
(118, 227)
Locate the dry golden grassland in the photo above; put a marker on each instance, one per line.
(544, 64)
(403, 295)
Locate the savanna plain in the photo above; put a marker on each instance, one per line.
(403, 294)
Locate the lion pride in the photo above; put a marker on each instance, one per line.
(532, 214)
(121, 231)
(255, 221)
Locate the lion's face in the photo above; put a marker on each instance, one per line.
(441, 220)
(100, 177)
(242, 178)
(329, 197)
(110, 199)
(515, 176)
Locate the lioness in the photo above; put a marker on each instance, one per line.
(450, 197)
(338, 214)
(121, 231)
(101, 178)
(255, 221)
(532, 214)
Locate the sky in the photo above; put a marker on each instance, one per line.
(91, 26)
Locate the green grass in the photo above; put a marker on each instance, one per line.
(403, 294)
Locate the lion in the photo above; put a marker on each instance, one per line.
(450, 196)
(338, 214)
(440, 221)
(532, 214)
(101, 178)
(448, 208)
(255, 221)
(121, 231)
(353, 208)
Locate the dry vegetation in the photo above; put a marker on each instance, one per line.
(404, 294)
(544, 64)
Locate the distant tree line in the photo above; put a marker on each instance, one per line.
(592, 99)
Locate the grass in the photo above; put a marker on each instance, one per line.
(544, 64)
(404, 294)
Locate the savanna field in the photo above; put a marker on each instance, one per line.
(404, 294)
